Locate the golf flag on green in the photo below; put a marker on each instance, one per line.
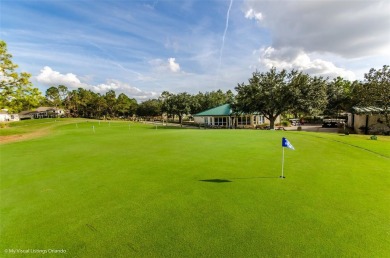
(285, 144)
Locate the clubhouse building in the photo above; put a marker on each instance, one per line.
(223, 117)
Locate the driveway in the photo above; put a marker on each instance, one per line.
(313, 128)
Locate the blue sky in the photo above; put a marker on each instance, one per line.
(144, 47)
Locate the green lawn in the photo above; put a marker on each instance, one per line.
(134, 191)
(28, 126)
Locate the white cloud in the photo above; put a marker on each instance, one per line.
(173, 66)
(163, 66)
(293, 58)
(352, 29)
(251, 14)
(49, 77)
(54, 78)
(121, 87)
(322, 37)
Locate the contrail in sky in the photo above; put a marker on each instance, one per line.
(111, 59)
(223, 37)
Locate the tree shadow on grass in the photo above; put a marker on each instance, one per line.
(218, 180)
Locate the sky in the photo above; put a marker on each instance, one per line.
(144, 47)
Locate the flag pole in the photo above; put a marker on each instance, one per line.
(282, 176)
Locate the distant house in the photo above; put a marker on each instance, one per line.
(223, 117)
(43, 112)
(26, 115)
(367, 120)
(5, 116)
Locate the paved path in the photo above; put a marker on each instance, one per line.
(313, 128)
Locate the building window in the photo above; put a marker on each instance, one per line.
(258, 120)
(220, 121)
(243, 120)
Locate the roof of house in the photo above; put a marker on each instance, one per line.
(27, 112)
(224, 110)
(367, 110)
(43, 109)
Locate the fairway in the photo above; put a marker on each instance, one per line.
(125, 189)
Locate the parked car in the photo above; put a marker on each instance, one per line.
(296, 122)
(332, 122)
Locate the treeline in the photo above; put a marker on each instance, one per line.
(270, 93)
(88, 104)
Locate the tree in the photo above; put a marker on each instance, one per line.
(16, 91)
(73, 102)
(204, 101)
(178, 104)
(126, 106)
(229, 97)
(98, 105)
(133, 107)
(309, 94)
(110, 97)
(339, 95)
(31, 100)
(53, 96)
(64, 95)
(273, 93)
(267, 93)
(84, 102)
(166, 103)
(375, 90)
(149, 108)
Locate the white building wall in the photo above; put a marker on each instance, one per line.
(199, 120)
(360, 121)
(9, 117)
(3, 117)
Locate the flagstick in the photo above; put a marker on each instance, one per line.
(282, 176)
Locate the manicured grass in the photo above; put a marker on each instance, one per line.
(28, 126)
(134, 191)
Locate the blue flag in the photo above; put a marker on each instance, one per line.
(287, 144)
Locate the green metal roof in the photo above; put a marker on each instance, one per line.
(367, 110)
(224, 110)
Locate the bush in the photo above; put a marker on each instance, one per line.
(286, 123)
